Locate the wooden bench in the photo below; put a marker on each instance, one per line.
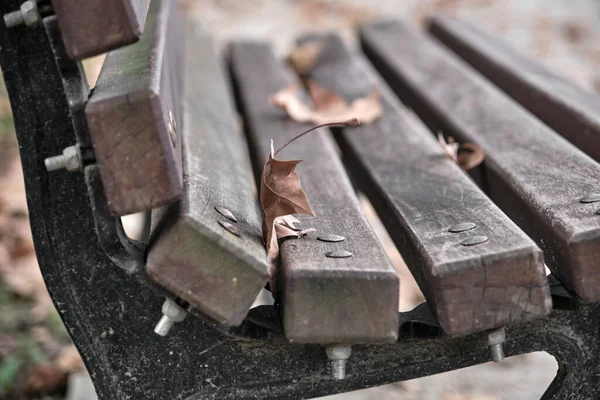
(177, 130)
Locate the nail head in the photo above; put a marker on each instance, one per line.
(473, 240)
(226, 213)
(331, 238)
(462, 227)
(590, 198)
(229, 228)
(338, 254)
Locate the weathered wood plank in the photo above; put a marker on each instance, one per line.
(191, 253)
(134, 115)
(534, 175)
(420, 194)
(324, 300)
(93, 27)
(565, 107)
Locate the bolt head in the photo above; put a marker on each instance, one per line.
(73, 158)
(174, 311)
(338, 352)
(497, 337)
(31, 14)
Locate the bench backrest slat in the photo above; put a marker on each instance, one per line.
(92, 27)
(134, 116)
(191, 254)
(420, 194)
(534, 175)
(324, 300)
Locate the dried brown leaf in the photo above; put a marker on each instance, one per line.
(47, 377)
(467, 155)
(328, 106)
(281, 194)
(302, 58)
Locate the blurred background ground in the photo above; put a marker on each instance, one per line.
(37, 359)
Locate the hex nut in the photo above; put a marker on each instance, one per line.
(30, 12)
(73, 161)
(174, 311)
(338, 352)
(497, 337)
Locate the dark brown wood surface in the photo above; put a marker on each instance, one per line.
(92, 27)
(534, 175)
(129, 116)
(324, 300)
(191, 253)
(420, 194)
(565, 107)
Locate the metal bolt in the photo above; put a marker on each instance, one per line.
(28, 14)
(462, 227)
(226, 213)
(70, 160)
(172, 313)
(473, 240)
(331, 238)
(338, 355)
(495, 341)
(338, 254)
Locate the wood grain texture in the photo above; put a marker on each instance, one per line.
(419, 194)
(534, 175)
(129, 115)
(191, 254)
(93, 27)
(565, 107)
(324, 300)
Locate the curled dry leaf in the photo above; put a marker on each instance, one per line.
(281, 194)
(302, 58)
(467, 155)
(328, 106)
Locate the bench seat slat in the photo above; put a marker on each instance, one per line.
(324, 300)
(531, 172)
(129, 117)
(565, 107)
(191, 254)
(419, 194)
(93, 27)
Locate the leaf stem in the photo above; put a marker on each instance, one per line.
(351, 122)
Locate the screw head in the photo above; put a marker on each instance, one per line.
(230, 228)
(338, 254)
(331, 238)
(461, 227)
(474, 240)
(590, 198)
(226, 213)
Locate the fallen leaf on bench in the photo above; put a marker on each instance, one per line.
(302, 58)
(281, 194)
(285, 227)
(469, 159)
(328, 106)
